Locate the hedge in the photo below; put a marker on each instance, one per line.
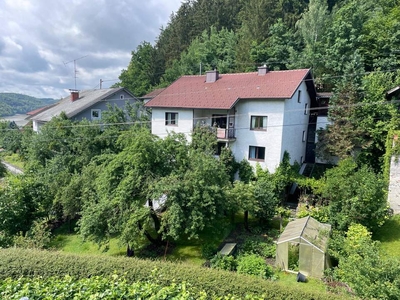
(15, 263)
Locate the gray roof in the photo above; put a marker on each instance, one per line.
(87, 98)
(307, 229)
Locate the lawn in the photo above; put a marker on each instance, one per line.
(70, 242)
(188, 251)
(13, 159)
(389, 236)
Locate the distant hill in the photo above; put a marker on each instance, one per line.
(12, 103)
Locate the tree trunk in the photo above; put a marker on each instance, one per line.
(129, 251)
(246, 219)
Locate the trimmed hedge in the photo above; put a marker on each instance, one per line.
(15, 263)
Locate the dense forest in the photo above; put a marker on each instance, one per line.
(336, 39)
(117, 180)
(12, 103)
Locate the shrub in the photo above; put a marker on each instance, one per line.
(258, 245)
(253, 264)
(223, 262)
(16, 263)
(208, 251)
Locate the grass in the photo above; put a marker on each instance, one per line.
(14, 160)
(190, 251)
(290, 279)
(71, 242)
(389, 236)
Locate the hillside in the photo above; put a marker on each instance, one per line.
(12, 103)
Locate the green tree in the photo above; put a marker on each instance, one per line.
(376, 116)
(195, 199)
(242, 197)
(312, 28)
(362, 265)
(144, 70)
(117, 204)
(355, 195)
(343, 136)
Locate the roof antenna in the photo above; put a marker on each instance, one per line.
(75, 71)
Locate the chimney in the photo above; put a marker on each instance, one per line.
(262, 70)
(74, 95)
(212, 76)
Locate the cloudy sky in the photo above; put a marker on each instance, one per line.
(40, 39)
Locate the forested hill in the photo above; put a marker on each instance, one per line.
(12, 103)
(334, 38)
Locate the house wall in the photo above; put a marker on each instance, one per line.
(271, 139)
(114, 100)
(185, 122)
(36, 125)
(296, 118)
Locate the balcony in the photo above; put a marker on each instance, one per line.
(226, 135)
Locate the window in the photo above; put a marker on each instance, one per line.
(171, 118)
(305, 108)
(96, 114)
(298, 96)
(256, 153)
(258, 123)
(121, 96)
(304, 135)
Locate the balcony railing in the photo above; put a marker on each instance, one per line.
(225, 134)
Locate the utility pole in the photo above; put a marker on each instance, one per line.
(75, 71)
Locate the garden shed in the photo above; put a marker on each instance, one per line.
(302, 247)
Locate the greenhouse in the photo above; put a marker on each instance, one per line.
(302, 247)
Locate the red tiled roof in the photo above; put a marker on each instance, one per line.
(154, 93)
(39, 110)
(194, 92)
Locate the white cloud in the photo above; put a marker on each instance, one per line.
(38, 37)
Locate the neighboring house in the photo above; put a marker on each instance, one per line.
(86, 104)
(259, 115)
(146, 98)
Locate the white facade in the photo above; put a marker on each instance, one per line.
(295, 124)
(183, 122)
(286, 128)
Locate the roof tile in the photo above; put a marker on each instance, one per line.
(194, 92)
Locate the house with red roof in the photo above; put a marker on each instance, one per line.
(259, 115)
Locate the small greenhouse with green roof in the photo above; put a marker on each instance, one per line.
(302, 247)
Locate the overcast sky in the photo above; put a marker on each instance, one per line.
(40, 39)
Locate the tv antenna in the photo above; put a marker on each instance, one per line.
(75, 71)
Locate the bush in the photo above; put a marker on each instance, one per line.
(208, 251)
(254, 265)
(259, 246)
(16, 263)
(223, 262)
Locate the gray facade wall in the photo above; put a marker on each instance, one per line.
(114, 100)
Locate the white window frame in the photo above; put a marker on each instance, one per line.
(304, 135)
(255, 123)
(254, 152)
(95, 110)
(171, 118)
